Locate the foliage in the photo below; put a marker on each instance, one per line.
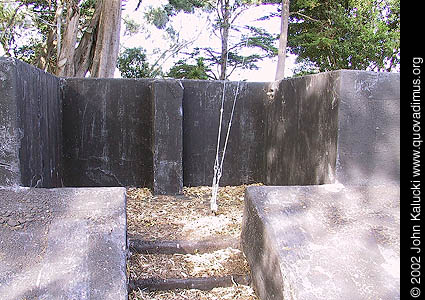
(222, 62)
(132, 63)
(345, 34)
(12, 26)
(131, 27)
(182, 70)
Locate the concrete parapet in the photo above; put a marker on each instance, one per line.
(302, 130)
(340, 125)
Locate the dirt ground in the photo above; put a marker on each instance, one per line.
(187, 217)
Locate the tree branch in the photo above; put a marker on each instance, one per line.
(304, 16)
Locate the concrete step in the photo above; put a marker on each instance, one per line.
(63, 243)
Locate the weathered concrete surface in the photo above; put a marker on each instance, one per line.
(107, 130)
(244, 160)
(369, 128)
(167, 136)
(30, 126)
(301, 130)
(323, 242)
(63, 243)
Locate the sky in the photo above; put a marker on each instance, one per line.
(196, 25)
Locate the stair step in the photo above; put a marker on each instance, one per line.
(200, 283)
(141, 246)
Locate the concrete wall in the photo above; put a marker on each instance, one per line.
(369, 128)
(244, 159)
(341, 125)
(30, 126)
(123, 132)
(107, 131)
(301, 130)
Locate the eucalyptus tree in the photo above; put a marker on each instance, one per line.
(71, 37)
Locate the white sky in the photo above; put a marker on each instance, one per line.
(196, 25)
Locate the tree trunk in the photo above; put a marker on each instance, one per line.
(47, 52)
(107, 39)
(65, 65)
(283, 39)
(83, 57)
(224, 33)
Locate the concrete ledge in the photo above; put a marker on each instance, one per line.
(323, 242)
(63, 243)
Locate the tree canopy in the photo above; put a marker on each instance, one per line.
(80, 37)
(345, 34)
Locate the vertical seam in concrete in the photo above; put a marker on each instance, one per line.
(336, 88)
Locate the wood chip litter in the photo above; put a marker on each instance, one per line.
(187, 217)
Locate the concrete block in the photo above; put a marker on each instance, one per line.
(63, 243)
(167, 136)
(323, 242)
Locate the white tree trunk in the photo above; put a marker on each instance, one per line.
(283, 39)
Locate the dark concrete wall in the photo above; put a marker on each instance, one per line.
(244, 159)
(369, 128)
(107, 128)
(131, 132)
(301, 130)
(106, 119)
(30, 126)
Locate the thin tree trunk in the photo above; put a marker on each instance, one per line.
(107, 40)
(283, 39)
(224, 32)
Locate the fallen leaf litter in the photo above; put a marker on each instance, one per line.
(187, 217)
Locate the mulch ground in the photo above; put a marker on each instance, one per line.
(187, 217)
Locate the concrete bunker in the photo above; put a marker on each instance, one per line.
(337, 127)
